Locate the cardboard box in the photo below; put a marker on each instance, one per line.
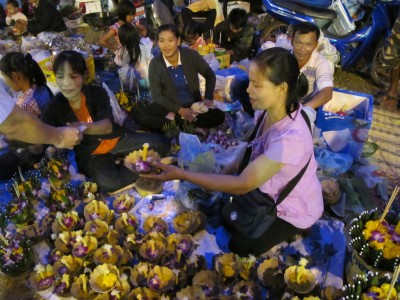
(224, 61)
(47, 67)
(342, 124)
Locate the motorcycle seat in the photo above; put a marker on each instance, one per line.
(321, 13)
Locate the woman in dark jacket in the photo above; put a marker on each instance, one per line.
(174, 86)
(88, 108)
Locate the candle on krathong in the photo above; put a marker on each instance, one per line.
(145, 149)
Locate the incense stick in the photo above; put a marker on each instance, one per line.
(394, 194)
(394, 280)
(220, 39)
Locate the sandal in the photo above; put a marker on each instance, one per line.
(385, 100)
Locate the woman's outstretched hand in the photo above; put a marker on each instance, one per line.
(168, 172)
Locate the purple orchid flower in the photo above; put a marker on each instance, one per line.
(68, 221)
(80, 251)
(155, 283)
(46, 282)
(60, 288)
(378, 236)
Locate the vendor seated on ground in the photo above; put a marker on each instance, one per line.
(88, 108)
(211, 10)
(193, 37)
(126, 13)
(312, 64)
(282, 149)
(174, 86)
(236, 35)
(22, 74)
(13, 14)
(46, 17)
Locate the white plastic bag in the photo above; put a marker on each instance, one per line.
(118, 113)
(212, 61)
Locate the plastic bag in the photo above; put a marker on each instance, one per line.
(190, 148)
(367, 173)
(227, 158)
(331, 163)
(212, 61)
(118, 113)
(242, 125)
(128, 77)
(222, 89)
(30, 43)
(328, 51)
(7, 47)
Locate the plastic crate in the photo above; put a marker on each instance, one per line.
(343, 124)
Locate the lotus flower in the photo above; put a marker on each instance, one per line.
(62, 285)
(96, 228)
(84, 246)
(65, 240)
(133, 241)
(155, 224)
(104, 278)
(42, 277)
(68, 264)
(142, 293)
(152, 250)
(112, 236)
(209, 281)
(300, 279)
(108, 254)
(161, 279)
(127, 223)
(65, 222)
(180, 242)
(249, 267)
(270, 273)
(246, 290)
(97, 210)
(140, 273)
(123, 203)
(228, 265)
(191, 292)
(189, 222)
(80, 289)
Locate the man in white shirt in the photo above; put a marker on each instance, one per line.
(18, 124)
(313, 65)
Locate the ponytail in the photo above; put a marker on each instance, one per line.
(278, 66)
(24, 64)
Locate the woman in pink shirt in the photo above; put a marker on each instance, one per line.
(282, 147)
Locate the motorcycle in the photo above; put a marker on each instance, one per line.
(359, 42)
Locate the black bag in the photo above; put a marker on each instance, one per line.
(254, 212)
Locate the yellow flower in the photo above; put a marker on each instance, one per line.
(373, 225)
(391, 250)
(374, 293)
(108, 280)
(393, 294)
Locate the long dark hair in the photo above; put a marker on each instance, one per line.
(130, 39)
(124, 9)
(74, 59)
(24, 64)
(279, 65)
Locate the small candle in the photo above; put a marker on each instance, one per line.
(145, 148)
